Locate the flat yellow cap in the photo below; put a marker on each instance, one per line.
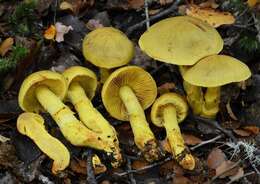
(181, 40)
(84, 76)
(54, 81)
(107, 47)
(166, 99)
(217, 70)
(140, 81)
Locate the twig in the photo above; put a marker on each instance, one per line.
(244, 175)
(206, 142)
(165, 12)
(144, 168)
(146, 14)
(90, 170)
(55, 11)
(131, 176)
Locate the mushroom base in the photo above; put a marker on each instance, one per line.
(175, 138)
(211, 103)
(94, 120)
(143, 136)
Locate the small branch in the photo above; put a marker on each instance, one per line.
(206, 142)
(146, 14)
(144, 168)
(165, 12)
(91, 179)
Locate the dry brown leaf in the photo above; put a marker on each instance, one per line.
(171, 167)
(252, 129)
(181, 180)
(225, 170)
(211, 16)
(230, 111)
(191, 139)
(50, 33)
(138, 164)
(136, 4)
(66, 6)
(76, 5)
(80, 167)
(216, 158)
(6, 45)
(165, 2)
(238, 175)
(242, 133)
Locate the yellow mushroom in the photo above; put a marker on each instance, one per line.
(213, 72)
(107, 48)
(82, 84)
(182, 41)
(44, 91)
(32, 125)
(167, 111)
(125, 94)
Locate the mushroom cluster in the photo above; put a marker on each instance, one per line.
(128, 91)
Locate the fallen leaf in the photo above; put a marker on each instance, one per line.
(6, 45)
(171, 167)
(165, 2)
(242, 133)
(126, 4)
(253, 129)
(50, 33)
(191, 139)
(225, 170)
(211, 16)
(80, 167)
(215, 158)
(61, 30)
(181, 180)
(66, 6)
(138, 164)
(3, 139)
(252, 3)
(238, 175)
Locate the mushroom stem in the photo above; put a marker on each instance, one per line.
(69, 125)
(144, 137)
(211, 105)
(104, 74)
(175, 138)
(93, 119)
(194, 93)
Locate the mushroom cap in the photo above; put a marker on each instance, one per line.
(167, 99)
(27, 97)
(181, 40)
(107, 47)
(140, 81)
(84, 76)
(217, 70)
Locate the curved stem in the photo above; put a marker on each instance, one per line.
(32, 125)
(211, 106)
(144, 137)
(93, 119)
(72, 129)
(175, 138)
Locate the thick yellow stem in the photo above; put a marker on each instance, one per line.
(211, 105)
(194, 93)
(72, 129)
(144, 137)
(175, 138)
(93, 119)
